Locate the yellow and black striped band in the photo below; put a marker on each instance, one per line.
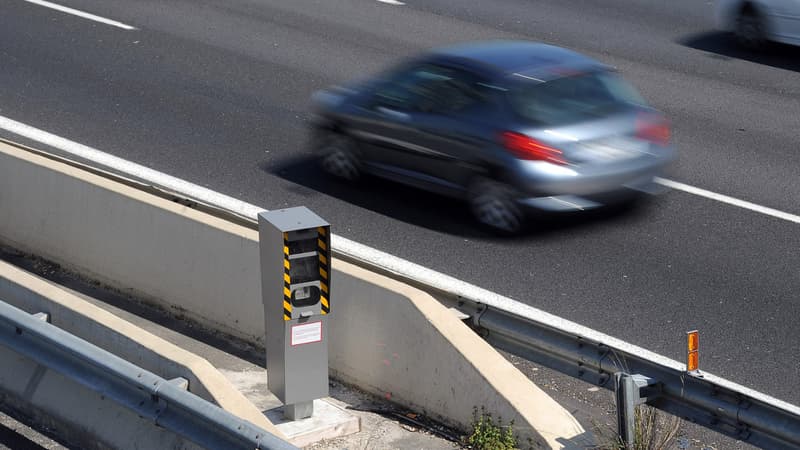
(323, 244)
(287, 280)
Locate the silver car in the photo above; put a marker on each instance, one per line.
(510, 127)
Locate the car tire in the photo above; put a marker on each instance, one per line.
(339, 156)
(493, 206)
(750, 29)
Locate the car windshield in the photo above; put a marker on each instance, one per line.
(573, 98)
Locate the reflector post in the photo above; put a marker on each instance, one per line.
(692, 351)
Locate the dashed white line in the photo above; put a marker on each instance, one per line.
(52, 140)
(392, 2)
(729, 200)
(83, 14)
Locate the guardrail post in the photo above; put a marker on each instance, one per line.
(631, 391)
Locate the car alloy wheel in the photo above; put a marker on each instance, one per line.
(339, 158)
(493, 206)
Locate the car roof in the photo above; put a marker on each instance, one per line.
(529, 59)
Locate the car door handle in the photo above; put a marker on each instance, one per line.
(391, 113)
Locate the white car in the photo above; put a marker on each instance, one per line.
(754, 22)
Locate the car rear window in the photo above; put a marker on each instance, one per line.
(573, 98)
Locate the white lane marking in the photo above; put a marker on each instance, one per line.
(392, 2)
(83, 14)
(729, 200)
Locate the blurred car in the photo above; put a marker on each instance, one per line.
(509, 126)
(754, 22)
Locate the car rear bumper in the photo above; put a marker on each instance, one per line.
(548, 187)
(556, 203)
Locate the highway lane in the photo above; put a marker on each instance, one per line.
(217, 93)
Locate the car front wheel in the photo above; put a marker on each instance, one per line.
(339, 156)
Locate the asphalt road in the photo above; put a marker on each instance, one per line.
(216, 92)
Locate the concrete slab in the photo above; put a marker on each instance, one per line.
(330, 419)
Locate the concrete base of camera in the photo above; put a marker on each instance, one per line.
(328, 421)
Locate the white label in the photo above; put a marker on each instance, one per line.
(306, 333)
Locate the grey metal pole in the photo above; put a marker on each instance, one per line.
(626, 391)
(631, 391)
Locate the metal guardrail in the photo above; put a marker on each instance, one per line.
(525, 331)
(705, 399)
(594, 357)
(164, 402)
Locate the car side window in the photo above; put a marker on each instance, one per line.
(396, 93)
(430, 88)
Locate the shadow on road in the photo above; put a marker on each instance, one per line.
(722, 45)
(431, 211)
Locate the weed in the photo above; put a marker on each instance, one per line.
(653, 431)
(490, 435)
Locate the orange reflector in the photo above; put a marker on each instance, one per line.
(692, 341)
(692, 351)
(692, 361)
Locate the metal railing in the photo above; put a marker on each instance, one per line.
(594, 357)
(166, 403)
(528, 332)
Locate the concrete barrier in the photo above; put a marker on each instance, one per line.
(400, 343)
(93, 324)
(385, 336)
(154, 248)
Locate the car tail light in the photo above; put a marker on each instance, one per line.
(653, 128)
(525, 147)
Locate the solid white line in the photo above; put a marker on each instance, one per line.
(729, 200)
(78, 13)
(132, 170)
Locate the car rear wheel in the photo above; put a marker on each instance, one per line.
(750, 29)
(493, 205)
(339, 156)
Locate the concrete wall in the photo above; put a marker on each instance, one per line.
(155, 248)
(402, 344)
(90, 323)
(385, 336)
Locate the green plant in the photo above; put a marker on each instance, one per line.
(490, 435)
